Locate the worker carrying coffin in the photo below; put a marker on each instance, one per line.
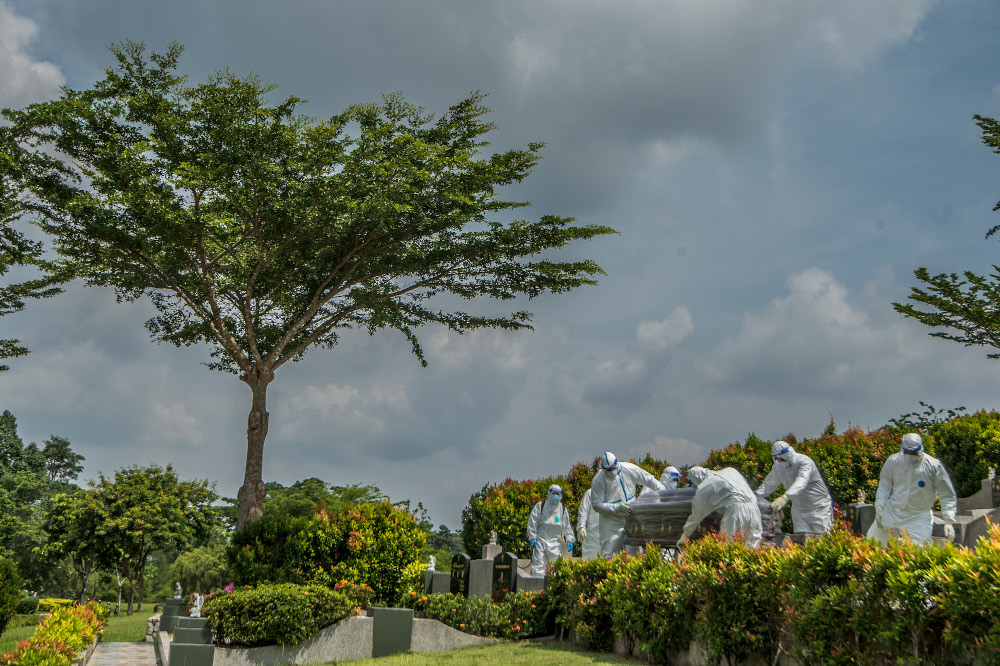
(812, 506)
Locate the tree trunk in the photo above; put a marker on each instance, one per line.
(131, 595)
(251, 494)
(118, 576)
(142, 582)
(88, 569)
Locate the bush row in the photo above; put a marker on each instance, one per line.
(61, 636)
(516, 616)
(283, 614)
(839, 599)
(375, 544)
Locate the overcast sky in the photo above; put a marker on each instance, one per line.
(776, 169)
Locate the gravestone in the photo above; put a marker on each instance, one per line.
(504, 574)
(526, 583)
(171, 611)
(481, 578)
(192, 643)
(392, 630)
(460, 566)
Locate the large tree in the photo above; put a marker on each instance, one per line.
(966, 306)
(263, 232)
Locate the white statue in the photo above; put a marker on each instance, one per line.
(861, 497)
(493, 537)
(199, 601)
(177, 591)
(432, 563)
(993, 473)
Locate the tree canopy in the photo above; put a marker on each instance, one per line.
(966, 307)
(262, 232)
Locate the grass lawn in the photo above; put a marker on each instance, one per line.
(540, 654)
(121, 629)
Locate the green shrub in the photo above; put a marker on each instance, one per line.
(26, 606)
(372, 544)
(518, 616)
(580, 605)
(10, 591)
(282, 614)
(968, 446)
(49, 604)
(60, 637)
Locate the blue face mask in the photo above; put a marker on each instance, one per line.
(555, 498)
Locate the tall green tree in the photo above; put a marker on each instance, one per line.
(71, 527)
(263, 232)
(143, 509)
(965, 307)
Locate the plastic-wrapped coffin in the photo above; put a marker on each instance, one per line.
(659, 517)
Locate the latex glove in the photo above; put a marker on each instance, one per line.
(683, 540)
(778, 504)
(569, 546)
(623, 509)
(878, 518)
(949, 531)
(582, 533)
(533, 542)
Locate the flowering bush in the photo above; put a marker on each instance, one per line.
(371, 544)
(283, 614)
(64, 633)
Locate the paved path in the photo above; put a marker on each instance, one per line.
(124, 654)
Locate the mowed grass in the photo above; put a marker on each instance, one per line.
(532, 654)
(121, 629)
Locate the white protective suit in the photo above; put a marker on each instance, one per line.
(611, 490)
(907, 488)
(587, 528)
(725, 491)
(671, 477)
(812, 506)
(548, 523)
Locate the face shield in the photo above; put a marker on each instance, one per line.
(555, 494)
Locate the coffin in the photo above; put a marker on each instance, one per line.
(659, 517)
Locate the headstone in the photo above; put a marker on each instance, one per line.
(491, 550)
(192, 643)
(392, 630)
(460, 566)
(481, 578)
(504, 574)
(171, 611)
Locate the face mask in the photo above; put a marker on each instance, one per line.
(671, 484)
(555, 498)
(610, 473)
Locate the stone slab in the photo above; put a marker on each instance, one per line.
(435, 636)
(491, 550)
(979, 528)
(191, 655)
(193, 635)
(530, 583)
(481, 578)
(441, 583)
(346, 640)
(392, 630)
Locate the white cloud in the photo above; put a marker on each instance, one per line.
(675, 450)
(23, 79)
(662, 335)
(503, 350)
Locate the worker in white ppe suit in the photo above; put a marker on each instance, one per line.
(548, 524)
(611, 491)
(727, 492)
(671, 477)
(812, 506)
(587, 528)
(909, 483)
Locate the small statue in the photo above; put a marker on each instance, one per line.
(431, 564)
(993, 473)
(199, 601)
(177, 591)
(861, 497)
(493, 537)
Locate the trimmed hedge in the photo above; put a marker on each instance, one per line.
(968, 446)
(283, 614)
(838, 599)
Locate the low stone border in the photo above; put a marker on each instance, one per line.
(348, 639)
(86, 654)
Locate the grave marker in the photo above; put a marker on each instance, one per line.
(460, 565)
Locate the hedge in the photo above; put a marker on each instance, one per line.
(968, 446)
(516, 616)
(282, 614)
(837, 599)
